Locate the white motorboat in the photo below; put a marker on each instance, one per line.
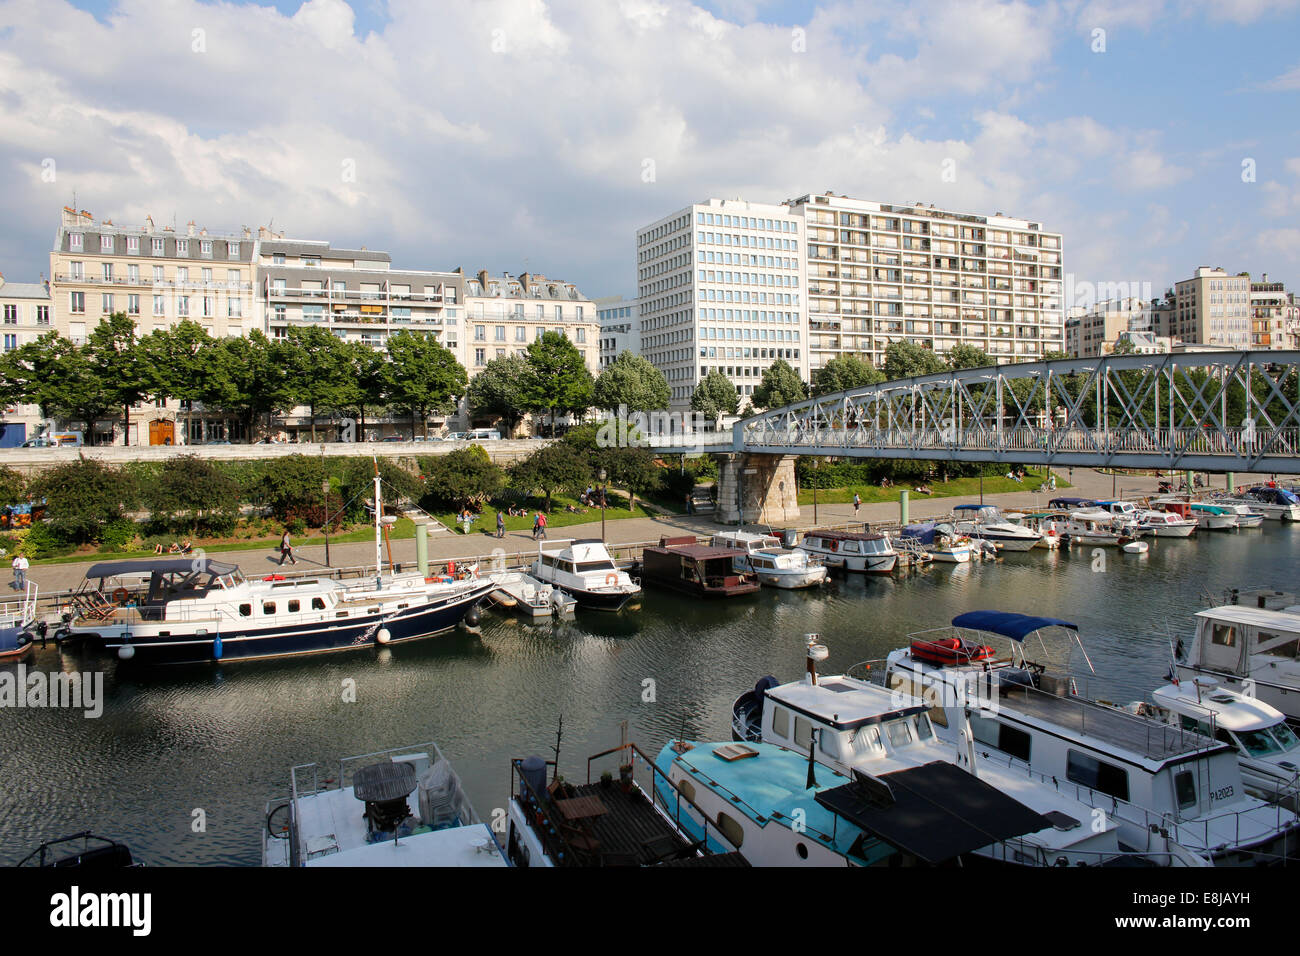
(584, 569)
(862, 728)
(1171, 789)
(1134, 547)
(987, 523)
(1248, 516)
(773, 565)
(1166, 524)
(1048, 524)
(363, 816)
(866, 552)
(940, 540)
(533, 598)
(1215, 517)
(1091, 527)
(1249, 644)
(1276, 504)
(1267, 748)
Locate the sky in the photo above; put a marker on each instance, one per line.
(514, 135)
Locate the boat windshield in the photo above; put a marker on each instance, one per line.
(1258, 743)
(1285, 736)
(583, 567)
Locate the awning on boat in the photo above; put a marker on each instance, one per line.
(1007, 623)
(938, 811)
(114, 569)
(923, 533)
(1068, 503)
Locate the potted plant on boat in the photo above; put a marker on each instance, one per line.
(625, 777)
(606, 780)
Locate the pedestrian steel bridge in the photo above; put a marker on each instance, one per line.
(1210, 411)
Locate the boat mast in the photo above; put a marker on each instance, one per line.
(378, 526)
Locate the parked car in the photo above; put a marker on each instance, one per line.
(484, 434)
(38, 443)
(395, 438)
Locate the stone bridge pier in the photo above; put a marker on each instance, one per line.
(761, 486)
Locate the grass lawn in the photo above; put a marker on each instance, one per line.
(957, 488)
(404, 528)
(486, 520)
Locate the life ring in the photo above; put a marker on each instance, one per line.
(611, 579)
(121, 596)
(833, 544)
(451, 568)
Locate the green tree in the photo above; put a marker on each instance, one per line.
(556, 467)
(968, 356)
(12, 486)
(85, 496)
(781, 386)
(497, 391)
(843, 373)
(246, 376)
(317, 370)
(59, 376)
(367, 381)
(715, 396)
(558, 379)
(423, 376)
(193, 493)
(176, 362)
(906, 359)
(631, 381)
(463, 477)
(114, 352)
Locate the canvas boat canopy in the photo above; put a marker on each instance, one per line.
(935, 812)
(1068, 503)
(117, 569)
(1007, 623)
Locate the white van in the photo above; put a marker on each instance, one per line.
(483, 434)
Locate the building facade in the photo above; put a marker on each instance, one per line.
(1093, 332)
(620, 328)
(27, 312)
(721, 288)
(1213, 308)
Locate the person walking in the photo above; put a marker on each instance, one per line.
(501, 526)
(537, 525)
(857, 503)
(20, 572)
(541, 524)
(286, 549)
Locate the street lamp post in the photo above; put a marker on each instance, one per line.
(603, 486)
(325, 491)
(816, 465)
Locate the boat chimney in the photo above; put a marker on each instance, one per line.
(817, 651)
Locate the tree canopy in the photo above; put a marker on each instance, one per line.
(631, 381)
(715, 396)
(780, 386)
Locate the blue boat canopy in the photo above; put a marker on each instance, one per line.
(923, 533)
(1072, 503)
(969, 507)
(1007, 623)
(1274, 496)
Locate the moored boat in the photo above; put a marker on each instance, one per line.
(987, 523)
(773, 565)
(864, 552)
(702, 570)
(584, 569)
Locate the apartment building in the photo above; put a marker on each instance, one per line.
(880, 273)
(355, 294)
(620, 328)
(1272, 315)
(157, 276)
(504, 313)
(1093, 332)
(1213, 308)
(721, 288)
(27, 315)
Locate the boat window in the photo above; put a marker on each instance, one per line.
(687, 789)
(923, 729)
(1194, 726)
(1258, 743)
(1010, 740)
(245, 610)
(596, 566)
(1096, 774)
(294, 607)
(1185, 788)
(730, 829)
(900, 733)
(938, 716)
(828, 743)
(1286, 737)
(1224, 634)
(781, 722)
(268, 607)
(317, 604)
(1285, 648)
(802, 731)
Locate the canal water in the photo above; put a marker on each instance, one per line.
(214, 743)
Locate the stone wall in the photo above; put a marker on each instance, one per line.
(765, 484)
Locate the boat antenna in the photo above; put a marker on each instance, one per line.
(559, 733)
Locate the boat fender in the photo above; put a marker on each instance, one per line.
(383, 637)
(472, 616)
(125, 652)
(217, 649)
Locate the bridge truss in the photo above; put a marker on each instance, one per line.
(1210, 411)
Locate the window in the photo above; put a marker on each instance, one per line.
(234, 276)
(132, 305)
(1097, 775)
(500, 333)
(11, 315)
(157, 273)
(521, 333)
(900, 733)
(182, 247)
(480, 333)
(157, 247)
(233, 307)
(294, 607)
(11, 342)
(76, 302)
(232, 250)
(582, 334)
(480, 356)
(106, 303)
(781, 722)
(133, 245)
(205, 247)
(42, 315)
(268, 607)
(76, 241)
(75, 270)
(1185, 788)
(108, 271)
(731, 830)
(1225, 635)
(105, 243)
(245, 610)
(802, 732)
(183, 274)
(158, 306)
(317, 604)
(133, 273)
(183, 306)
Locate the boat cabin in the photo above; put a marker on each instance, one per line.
(697, 569)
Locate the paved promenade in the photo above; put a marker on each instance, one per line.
(444, 545)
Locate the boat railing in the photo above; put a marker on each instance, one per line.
(636, 756)
(1167, 823)
(20, 611)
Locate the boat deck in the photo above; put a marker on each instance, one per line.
(1149, 738)
(633, 833)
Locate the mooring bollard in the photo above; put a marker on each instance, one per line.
(902, 507)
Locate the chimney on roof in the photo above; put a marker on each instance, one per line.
(483, 280)
(189, 228)
(203, 232)
(248, 233)
(148, 223)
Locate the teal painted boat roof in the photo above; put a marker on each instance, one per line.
(770, 787)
